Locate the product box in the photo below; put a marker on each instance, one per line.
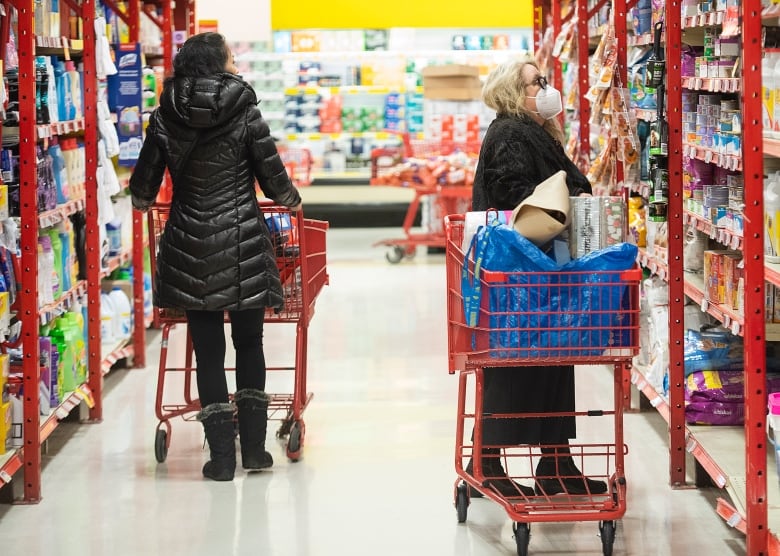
(596, 223)
(125, 99)
(715, 274)
(452, 81)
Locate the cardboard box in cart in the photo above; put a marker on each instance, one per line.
(452, 82)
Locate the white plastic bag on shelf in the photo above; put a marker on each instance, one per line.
(107, 129)
(103, 63)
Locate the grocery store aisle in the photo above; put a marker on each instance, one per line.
(377, 472)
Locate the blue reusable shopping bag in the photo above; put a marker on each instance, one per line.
(542, 309)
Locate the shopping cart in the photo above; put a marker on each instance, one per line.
(537, 319)
(441, 171)
(301, 260)
(298, 162)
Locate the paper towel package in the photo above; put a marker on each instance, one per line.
(596, 223)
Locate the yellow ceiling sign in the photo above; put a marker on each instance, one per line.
(359, 14)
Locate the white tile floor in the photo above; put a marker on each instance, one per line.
(377, 473)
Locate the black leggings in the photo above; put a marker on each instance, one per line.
(207, 329)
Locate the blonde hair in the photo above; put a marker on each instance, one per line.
(504, 92)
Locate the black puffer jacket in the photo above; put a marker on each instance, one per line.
(216, 252)
(517, 154)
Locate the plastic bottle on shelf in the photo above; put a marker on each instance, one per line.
(772, 218)
(114, 236)
(768, 90)
(107, 313)
(123, 314)
(64, 92)
(59, 170)
(75, 89)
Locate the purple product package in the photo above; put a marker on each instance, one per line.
(714, 413)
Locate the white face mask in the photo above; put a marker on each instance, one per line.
(548, 102)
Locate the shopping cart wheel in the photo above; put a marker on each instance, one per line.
(161, 445)
(462, 501)
(295, 440)
(607, 530)
(395, 255)
(522, 537)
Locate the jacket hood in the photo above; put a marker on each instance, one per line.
(204, 102)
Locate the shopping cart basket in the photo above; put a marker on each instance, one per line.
(301, 260)
(298, 162)
(536, 319)
(440, 171)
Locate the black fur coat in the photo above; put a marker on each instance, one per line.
(517, 154)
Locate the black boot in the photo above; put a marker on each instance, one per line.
(556, 473)
(217, 419)
(491, 467)
(252, 425)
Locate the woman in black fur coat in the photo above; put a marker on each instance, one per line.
(522, 148)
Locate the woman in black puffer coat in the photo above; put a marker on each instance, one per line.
(522, 148)
(215, 254)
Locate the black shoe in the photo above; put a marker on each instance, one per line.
(497, 478)
(565, 478)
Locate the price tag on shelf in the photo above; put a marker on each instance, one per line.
(5, 477)
(726, 320)
(735, 241)
(705, 305)
(708, 156)
(653, 267)
(734, 519)
(713, 232)
(662, 273)
(61, 412)
(722, 236)
(735, 162)
(735, 328)
(656, 401)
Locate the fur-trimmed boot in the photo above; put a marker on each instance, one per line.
(556, 472)
(217, 419)
(496, 477)
(252, 425)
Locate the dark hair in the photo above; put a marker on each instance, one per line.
(201, 55)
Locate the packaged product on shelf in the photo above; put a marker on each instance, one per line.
(713, 349)
(596, 223)
(714, 413)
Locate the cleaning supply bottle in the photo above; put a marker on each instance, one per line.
(107, 313)
(75, 89)
(59, 171)
(64, 93)
(772, 218)
(123, 312)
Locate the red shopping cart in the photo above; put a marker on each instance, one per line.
(301, 260)
(298, 162)
(442, 171)
(535, 319)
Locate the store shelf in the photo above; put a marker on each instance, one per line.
(657, 400)
(47, 131)
(731, 162)
(10, 462)
(713, 84)
(123, 350)
(325, 136)
(721, 235)
(726, 446)
(61, 212)
(654, 264)
(49, 312)
(772, 147)
(58, 46)
(704, 19)
(70, 401)
(116, 262)
(351, 90)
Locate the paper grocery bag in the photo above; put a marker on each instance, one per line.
(546, 213)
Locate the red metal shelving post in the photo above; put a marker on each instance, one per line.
(753, 256)
(677, 432)
(94, 354)
(28, 208)
(583, 82)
